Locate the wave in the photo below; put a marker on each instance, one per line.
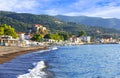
(49, 49)
(54, 48)
(37, 72)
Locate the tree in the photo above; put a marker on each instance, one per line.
(57, 37)
(82, 33)
(64, 35)
(7, 30)
(37, 37)
(48, 36)
(54, 36)
(1, 31)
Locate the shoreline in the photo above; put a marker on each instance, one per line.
(9, 53)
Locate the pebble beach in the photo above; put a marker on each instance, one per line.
(8, 53)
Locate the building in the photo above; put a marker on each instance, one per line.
(86, 39)
(38, 28)
(21, 36)
(28, 36)
(75, 39)
(8, 41)
(107, 40)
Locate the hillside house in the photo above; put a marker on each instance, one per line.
(37, 28)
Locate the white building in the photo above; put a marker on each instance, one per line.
(22, 39)
(21, 36)
(86, 39)
(8, 41)
(75, 40)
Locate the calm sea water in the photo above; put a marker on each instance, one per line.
(83, 61)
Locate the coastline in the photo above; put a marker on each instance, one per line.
(9, 53)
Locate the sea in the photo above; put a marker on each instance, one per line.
(78, 61)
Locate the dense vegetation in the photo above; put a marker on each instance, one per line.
(37, 37)
(82, 33)
(54, 36)
(7, 30)
(22, 21)
(58, 36)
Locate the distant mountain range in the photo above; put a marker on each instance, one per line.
(22, 21)
(92, 21)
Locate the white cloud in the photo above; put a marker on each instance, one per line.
(96, 8)
(107, 12)
(16, 5)
(92, 8)
(52, 11)
(83, 4)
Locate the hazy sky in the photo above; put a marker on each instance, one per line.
(95, 8)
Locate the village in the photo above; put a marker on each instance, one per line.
(24, 39)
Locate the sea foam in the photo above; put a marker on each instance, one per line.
(49, 49)
(37, 72)
(54, 48)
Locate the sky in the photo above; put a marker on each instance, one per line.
(93, 8)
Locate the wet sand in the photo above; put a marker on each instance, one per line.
(8, 53)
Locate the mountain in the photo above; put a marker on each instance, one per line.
(22, 21)
(92, 21)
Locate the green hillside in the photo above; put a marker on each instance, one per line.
(92, 21)
(22, 21)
